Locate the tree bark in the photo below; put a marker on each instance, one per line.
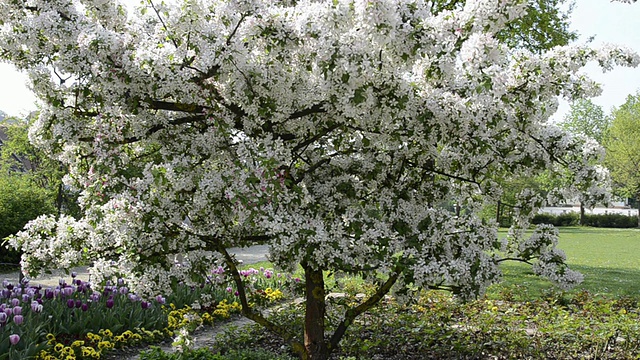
(638, 204)
(314, 340)
(581, 214)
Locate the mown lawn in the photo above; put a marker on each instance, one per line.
(609, 259)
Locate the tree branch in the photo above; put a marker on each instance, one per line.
(352, 313)
(249, 313)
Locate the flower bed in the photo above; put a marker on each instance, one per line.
(78, 321)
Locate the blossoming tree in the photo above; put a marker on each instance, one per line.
(334, 131)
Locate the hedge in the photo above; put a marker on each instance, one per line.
(598, 220)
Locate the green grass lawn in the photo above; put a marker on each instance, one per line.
(609, 259)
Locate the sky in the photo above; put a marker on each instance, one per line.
(608, 22)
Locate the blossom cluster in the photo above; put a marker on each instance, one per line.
(335, 131)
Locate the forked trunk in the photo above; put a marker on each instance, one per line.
(314, 340)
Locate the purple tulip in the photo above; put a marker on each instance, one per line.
(62, 282)
(26, 298)
(144, 304)
(94, 297)
(74, 274)
(48, 293)
(5, 283)
(9, 286)
(110, 303)
(67, 291)
(3, 317)
(84, 307)
(17, 310)
(120, 281)
(124, 290)
(6, 293)
(160, 299)
(18, 319)
(71, 303)
(8, 311)
(36, 307)
(78, 303)
(15, 302)
(14, 339)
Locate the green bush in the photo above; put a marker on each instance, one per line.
(611, 221)
(600, 220)
(567, 219)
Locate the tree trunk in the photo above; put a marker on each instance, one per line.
(582, 214)
(498, 212)
(638, 204)
(314, 341)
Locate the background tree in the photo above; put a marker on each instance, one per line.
(30, 183)
(623, 148)
(330, 130)
(586, 119)
(544, 25)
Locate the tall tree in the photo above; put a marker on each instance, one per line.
(330, 130)
(623, 148)
(586, 119)
(544, 25)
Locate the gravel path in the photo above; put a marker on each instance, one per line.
(248, 255)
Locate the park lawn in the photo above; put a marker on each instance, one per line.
(609, 259)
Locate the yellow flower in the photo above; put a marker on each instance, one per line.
(58, 347)
(206, 317)
(105, 345)
(87, 351)
(77, 343)
(50, 336)
(94, 337)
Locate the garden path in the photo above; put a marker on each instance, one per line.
(247, 255)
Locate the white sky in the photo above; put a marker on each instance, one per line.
(609, 22)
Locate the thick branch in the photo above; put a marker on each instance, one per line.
(513, 259)
(249, 313)
(372, 301)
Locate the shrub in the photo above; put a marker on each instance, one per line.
(611, 221)
(598, 220)
(567, 219)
